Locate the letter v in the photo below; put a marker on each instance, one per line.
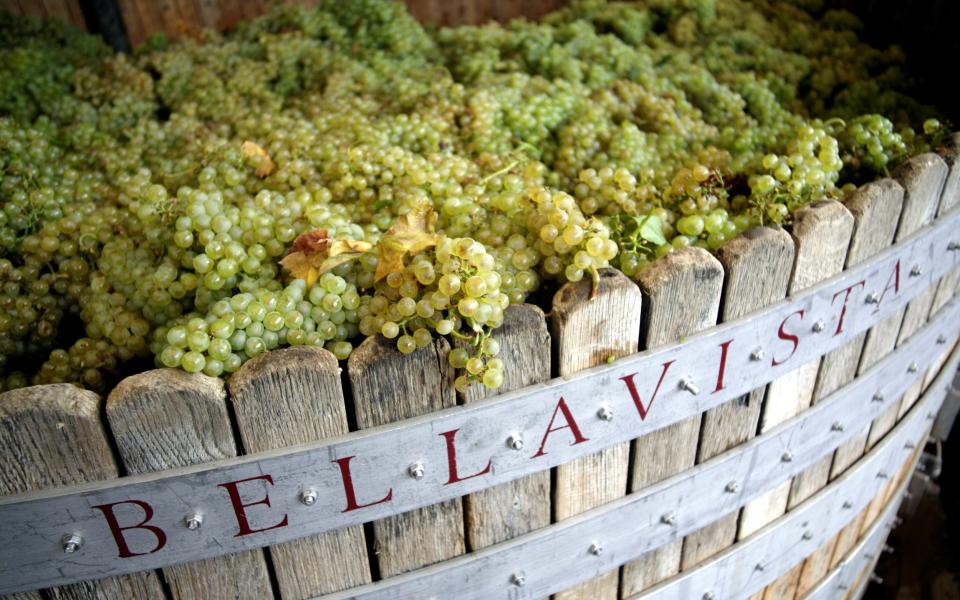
(637, 400)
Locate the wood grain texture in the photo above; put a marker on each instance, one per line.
(587, 331)
(876, 210)
(65, 10)
(288, 397)
(949, 202)
(165, 419)
(821, 234)
(681, 296)
(389, 386)
(52, 437)
(503, 512)
(757, 266)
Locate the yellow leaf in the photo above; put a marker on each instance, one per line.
(314, 253)
(411, 234)
(265, 163)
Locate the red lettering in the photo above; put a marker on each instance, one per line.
(117, 530)
(723, 365)
(893, 282)
(239, 508)
(637, 400)
(352, 504)
(452, 460)
(843, 311)
(571, 425)
(789, 337)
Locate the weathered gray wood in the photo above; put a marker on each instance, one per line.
(389, 386)
(949, 201)
(523, 505)
(52, 437)
(167, 418)
(821, 233)
(288, 397)
(922, 179)
(588, 328)
(757, 265)
(681, 296)
(876, 208)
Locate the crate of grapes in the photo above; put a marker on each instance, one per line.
(631, 301)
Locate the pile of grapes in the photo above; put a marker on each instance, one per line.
(318, 176)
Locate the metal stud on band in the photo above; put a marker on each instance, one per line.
(818, 327)
(515, 442)
(688, 385)
(193, 521)
(415, 470)
(308, 497)
(605, 414)
(71, 543)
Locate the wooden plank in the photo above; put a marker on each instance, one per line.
(389, 386)
(949, 201)
(922, 179)
(821, 233)
(681, 296)
(52, 437)
(165, 419)
(288, 397)
(503, 512)
(876, 208)
(757, 266)
(588, 330)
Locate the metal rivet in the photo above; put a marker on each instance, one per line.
(518, 579)
(786, 456)
(605, 414)
(931, 416)
(953, 246)
(759, 567)
(843, 587)
(515, 442)
(817, 327)
(709, 596)
(193, 521)
(876, 579)
(882, 475)
(877, 397)
(72, 543)
(688, 385)
(872, 298)
(732, 488)
(912, 368)
(807, 535)
(668, 518)
(847, 504)
(897, 521)
(941, 339)
(868, 555)
(757, 354)
(415, 470)
(837, 426)
(916, 271)
(308, 497)
(596, 549)
(909, 445)
(888, 549)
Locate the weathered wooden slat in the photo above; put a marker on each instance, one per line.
(876, 209)
(52, 437)
(821, 233)
(949, 201)
(681, 296)
(288, 397)
(922, 179)
(758, 251)
(389, 386)
(167, 418)
(523, 505)
(589, 327)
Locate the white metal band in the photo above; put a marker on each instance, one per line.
(32, 525)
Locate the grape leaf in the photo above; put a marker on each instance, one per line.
(266, 164)
(410, 234)
(651, 229)
(314, 253)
